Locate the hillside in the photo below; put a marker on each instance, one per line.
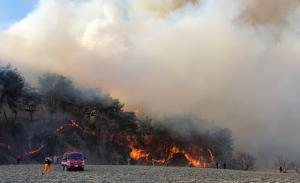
(57, 115)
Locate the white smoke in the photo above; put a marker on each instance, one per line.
(206, 58)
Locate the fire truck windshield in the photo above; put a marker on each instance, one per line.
(75, 156)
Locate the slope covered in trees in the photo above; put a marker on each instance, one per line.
(57, 115)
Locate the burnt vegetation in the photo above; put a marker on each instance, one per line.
(56, 115)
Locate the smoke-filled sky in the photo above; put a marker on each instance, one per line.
(234, 62)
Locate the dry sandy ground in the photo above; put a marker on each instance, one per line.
(32, 173)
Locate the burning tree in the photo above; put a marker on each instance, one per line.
(70, 117)
(163, 140)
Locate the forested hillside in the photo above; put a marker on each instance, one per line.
(56, 115)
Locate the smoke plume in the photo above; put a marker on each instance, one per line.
(269, 11)
(230, 62)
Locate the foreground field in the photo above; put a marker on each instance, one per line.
(33, 173)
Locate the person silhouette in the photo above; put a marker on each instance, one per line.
(280, 169)
(224, 165)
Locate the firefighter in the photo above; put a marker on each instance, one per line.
(47, 165)
(224, 165)
(128, 161)
(280, 169)
(55, 160)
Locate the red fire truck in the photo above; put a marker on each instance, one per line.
(73, 160)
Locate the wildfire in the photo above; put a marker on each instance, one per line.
(136, 111)
(196, 157)
(35, 151)
(135, 153)
(174, 150)
(73, 124)
(194, 161)
(29, 153)
(138, 154)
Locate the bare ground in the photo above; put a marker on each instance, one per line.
(33, 173)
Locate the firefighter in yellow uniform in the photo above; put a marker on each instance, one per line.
(47, 165)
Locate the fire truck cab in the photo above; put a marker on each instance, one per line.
(73, 160)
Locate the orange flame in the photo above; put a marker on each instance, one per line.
(137, 154)
(194, 157)
(136, 111)
(74, 124)
(33, 152)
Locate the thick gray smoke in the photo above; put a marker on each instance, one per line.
(234, 62)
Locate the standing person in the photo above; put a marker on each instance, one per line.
(55, 160)
(280, 169)
(217, 165)
(128, 161)
(47, 165)
(18, 158)
(224, 165)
